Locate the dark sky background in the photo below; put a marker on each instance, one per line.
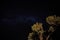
(17, 17)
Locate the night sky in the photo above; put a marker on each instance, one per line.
(17, 17)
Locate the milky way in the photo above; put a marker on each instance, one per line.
(20, 19)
